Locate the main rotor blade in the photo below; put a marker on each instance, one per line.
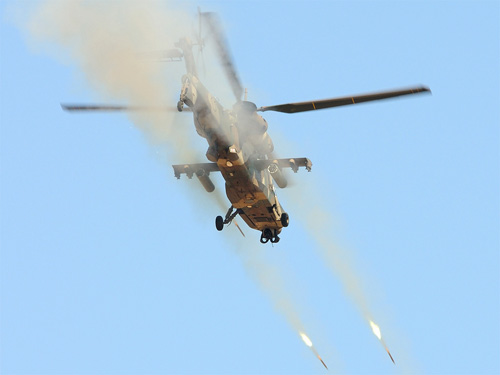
(224, 54)
(116, 108)
(337, 102)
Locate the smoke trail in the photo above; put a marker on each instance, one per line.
(318, 222)
(104, 39)
(274, 281)
(108, 41)
(337, 259)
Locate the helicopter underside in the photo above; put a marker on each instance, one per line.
(254, 200)
(259, 205)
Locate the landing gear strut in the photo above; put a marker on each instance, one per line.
(219, 221)
(269, 235)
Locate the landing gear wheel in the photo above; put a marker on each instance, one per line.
(285, 220)
(219, 223)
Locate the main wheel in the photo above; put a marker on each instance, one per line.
(285, 220)
(219, 223)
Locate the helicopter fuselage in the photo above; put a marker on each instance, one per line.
(238, 142)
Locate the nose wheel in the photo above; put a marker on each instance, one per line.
(269, 235)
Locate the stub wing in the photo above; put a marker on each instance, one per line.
(293, 163)
(205, 168)
(201, 170)
(198, 169)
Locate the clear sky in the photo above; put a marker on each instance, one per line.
(109, 265)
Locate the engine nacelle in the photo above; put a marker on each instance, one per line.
(252, 128)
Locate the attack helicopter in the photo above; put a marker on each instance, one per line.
(239, 146)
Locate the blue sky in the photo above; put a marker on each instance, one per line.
(108, 264)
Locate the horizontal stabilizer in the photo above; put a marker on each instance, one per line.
(293, 163)
(191, 169)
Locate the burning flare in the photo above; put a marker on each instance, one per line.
(309, 344)
(376, 332)
(306, 339)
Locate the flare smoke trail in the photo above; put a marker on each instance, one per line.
(318, 222)
(273, 282)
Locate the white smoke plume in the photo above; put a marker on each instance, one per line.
(322, 226)
(276, 282)
(106, 39)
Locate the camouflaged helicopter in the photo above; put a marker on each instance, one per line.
(239, 146)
